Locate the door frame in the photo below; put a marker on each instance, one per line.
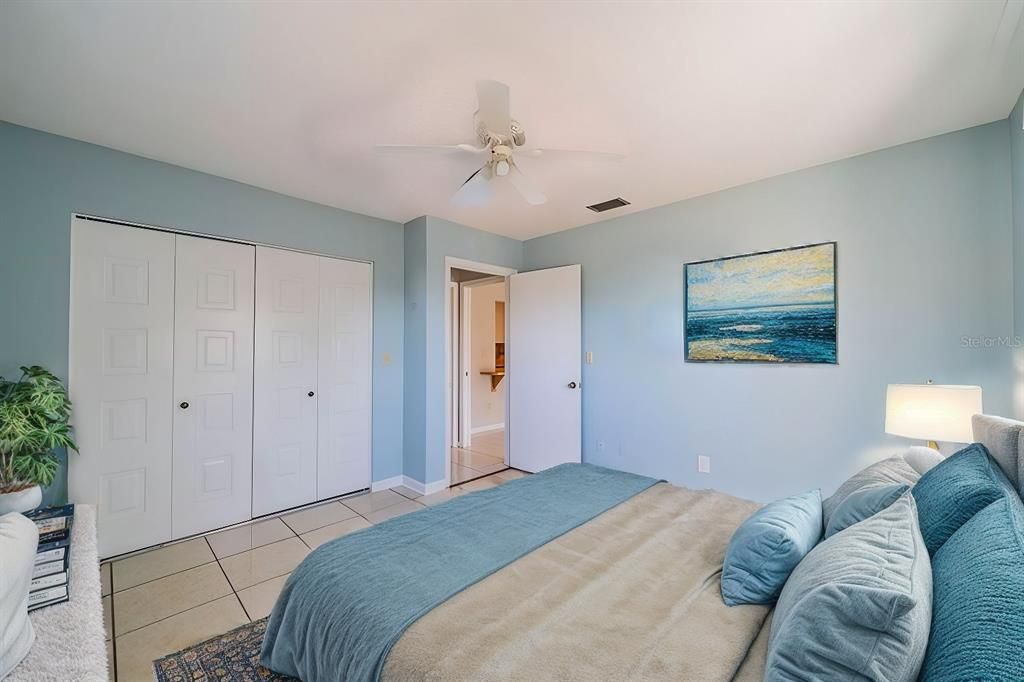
(474, 266)
(465, 362)
(454, 370)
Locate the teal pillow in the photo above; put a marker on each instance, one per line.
(955, 490)
(858, 607)
(862, 504)
(767, 547)
(978, 618)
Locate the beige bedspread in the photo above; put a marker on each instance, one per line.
(631, 595)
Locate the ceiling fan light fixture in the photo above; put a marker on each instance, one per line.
(498, 135)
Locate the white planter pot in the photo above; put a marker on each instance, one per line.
(21, 501)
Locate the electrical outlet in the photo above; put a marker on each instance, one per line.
(703, 464)
(590, 358)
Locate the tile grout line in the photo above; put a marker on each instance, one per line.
(113, 623)
(160, 620)
(231, 584)
(234, 591)
(178, 613)
(128, 589)
(216, 559)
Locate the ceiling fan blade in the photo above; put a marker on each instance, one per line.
(493, 110)
(432, 148)
(476, 190)
(525, 186)
(546, 153)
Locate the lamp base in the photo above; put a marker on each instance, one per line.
(933, 445)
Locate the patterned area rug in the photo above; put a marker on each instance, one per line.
(233, 656)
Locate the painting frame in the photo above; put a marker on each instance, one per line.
(753, 358)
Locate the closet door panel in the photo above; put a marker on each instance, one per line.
(343, 443)
(285, 396)
(213, 384)
(120, 361)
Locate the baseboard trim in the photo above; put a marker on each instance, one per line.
(435, 487)
(386, 483)
(488, 427)
(423, 488)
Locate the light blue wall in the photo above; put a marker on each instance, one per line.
(924, 246)
(924, 230)
(445, 239)
(428, 241)
(415, 420)
(1015, 129)
(45, 178)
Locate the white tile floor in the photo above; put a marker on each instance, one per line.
(166, 599)
(485, 455)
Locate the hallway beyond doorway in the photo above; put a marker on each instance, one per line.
(485, 456)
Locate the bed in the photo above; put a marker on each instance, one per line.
(626, 588)
(577, 573)
(632, 594)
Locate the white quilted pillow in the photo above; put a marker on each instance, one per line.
(922, 459)
(18, 540)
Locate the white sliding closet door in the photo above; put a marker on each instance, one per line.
(284, 427)
(213, 379)
(343, 443)
(122, 316)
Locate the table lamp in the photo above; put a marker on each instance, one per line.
(932, 412)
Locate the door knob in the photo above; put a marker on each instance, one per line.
(572, 384)
(183, 406)
(310, 394)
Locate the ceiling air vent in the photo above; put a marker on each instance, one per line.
(617, 202)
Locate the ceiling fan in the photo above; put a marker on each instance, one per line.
(498, 135)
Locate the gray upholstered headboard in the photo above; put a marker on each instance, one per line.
(1003, 438)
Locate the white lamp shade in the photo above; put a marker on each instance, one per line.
(932, 412)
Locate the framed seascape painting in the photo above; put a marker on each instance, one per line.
(773, 306)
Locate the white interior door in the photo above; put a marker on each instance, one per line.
(121, 331)
(213, 366)
(284, 397)
(343, 376)
(543, 351)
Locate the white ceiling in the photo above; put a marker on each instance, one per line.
(292, 96)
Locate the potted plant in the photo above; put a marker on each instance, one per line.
(34, 412)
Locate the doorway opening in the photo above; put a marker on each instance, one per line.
(478, 446)
(477, 441)
(539, 381)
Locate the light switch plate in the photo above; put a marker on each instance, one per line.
(703, 464)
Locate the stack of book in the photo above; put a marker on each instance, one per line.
(51, 572)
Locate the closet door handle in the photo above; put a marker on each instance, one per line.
(183, 406)
(310, 394)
